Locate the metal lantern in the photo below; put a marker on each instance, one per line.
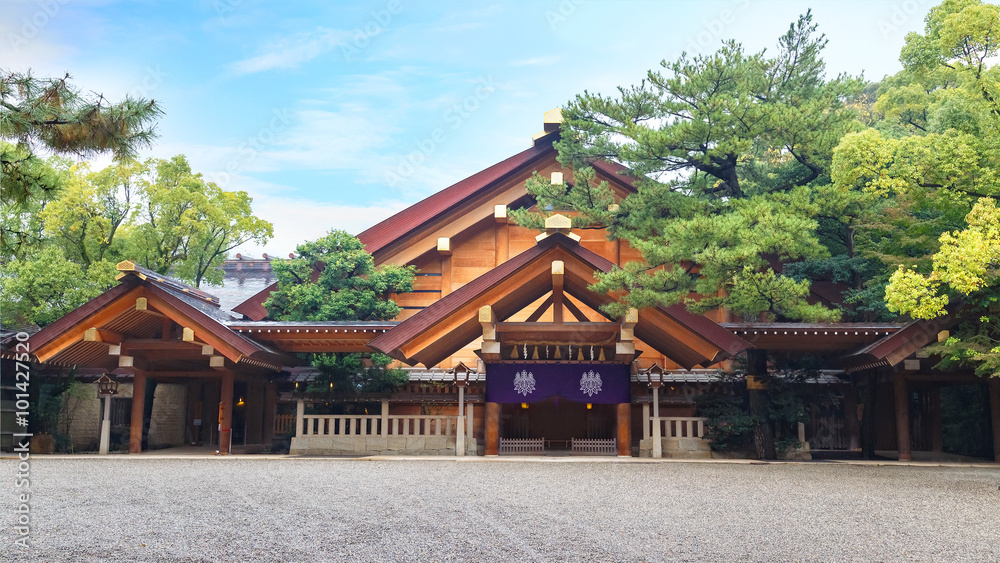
(655, 375)
(107, 386)
(461, 374)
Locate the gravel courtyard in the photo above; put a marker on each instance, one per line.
(245, 509)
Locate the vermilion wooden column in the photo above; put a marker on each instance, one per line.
(900, 389)
(138, 408)
(995, 415)
(226, 412)
(492, 428)
(625, 429)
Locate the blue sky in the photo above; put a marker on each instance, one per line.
(336, 114)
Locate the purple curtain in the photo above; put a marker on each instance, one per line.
(582, 383)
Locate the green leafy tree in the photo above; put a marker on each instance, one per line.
(726, 147)
(335, 279)
(51, 115)
(185, 226)
(43, 288)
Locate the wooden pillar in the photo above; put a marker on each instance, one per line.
(193, 411)
(937, 422)
(138, 412)
(254, 414)
(868, 415)
(902, 393)
(994, 384)
(624, 430)
(501, 234)
(270, 410)
(492, 428)
(759, 403)
(851, 417)
(226, 412)
(444, 251)
(558, 268)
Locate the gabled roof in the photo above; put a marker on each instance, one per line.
(406, 221)
(137, 314)
(451, 323)
(438, 205)
(896, 347)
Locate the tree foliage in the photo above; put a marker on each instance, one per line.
(335, 279)
(726, 147)
(157, 213)
(51, 115)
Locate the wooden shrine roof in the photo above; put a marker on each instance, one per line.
(154, 319)
(400, 225)
(451, 323)
(894, 348)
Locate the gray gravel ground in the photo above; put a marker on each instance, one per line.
(241, 509)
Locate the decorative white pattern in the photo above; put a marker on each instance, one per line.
(590, 383)
(524, 382)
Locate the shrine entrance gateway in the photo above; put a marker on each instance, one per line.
(579, 408)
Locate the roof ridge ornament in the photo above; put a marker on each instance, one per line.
(551, 122)
(557, 223)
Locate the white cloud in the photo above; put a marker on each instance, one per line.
(290, 52)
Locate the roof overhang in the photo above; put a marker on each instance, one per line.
(451, 323)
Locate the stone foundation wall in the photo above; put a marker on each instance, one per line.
(379, 445)
(166, 421)
(85, 427)
(678, 448)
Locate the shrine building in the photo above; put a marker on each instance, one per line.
(506, 348)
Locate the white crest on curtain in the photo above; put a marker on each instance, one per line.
(524, 382)
(590, 383)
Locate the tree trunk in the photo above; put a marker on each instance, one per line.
(763, 432)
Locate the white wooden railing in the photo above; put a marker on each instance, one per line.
(377, 425)
(679, 426)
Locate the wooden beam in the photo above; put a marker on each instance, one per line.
(501, 235)
(537, 313)
(489, 323)
(558, 271)
(575, 311)
(216, 361)
(444, 251)
(628, 323)
(142, 304)
(188, 335)
(94, 334)
(100, 317)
